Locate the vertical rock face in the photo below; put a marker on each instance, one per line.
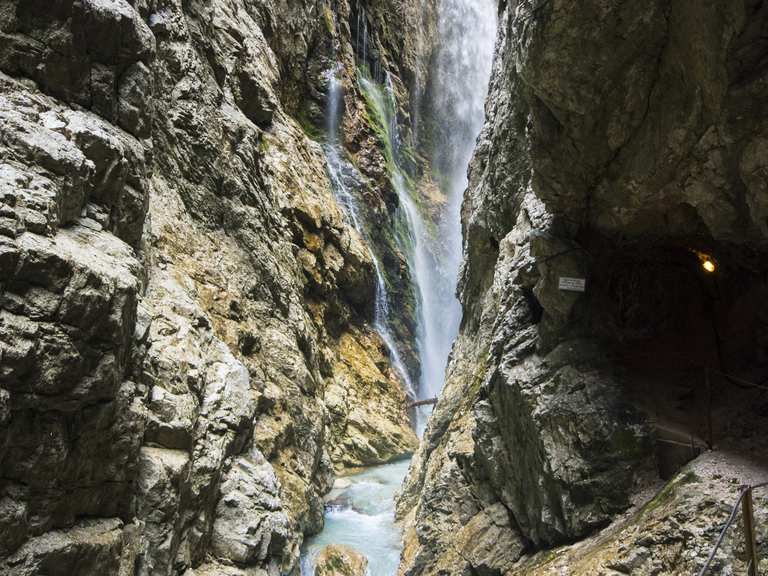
(186, 350)
(74, 197)
(621, 140)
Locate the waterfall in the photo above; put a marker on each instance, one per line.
(361, 513)
(344, 178)
(467, 31)
(333, 105)
(420, 248)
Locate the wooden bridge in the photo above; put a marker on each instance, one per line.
(427, 402)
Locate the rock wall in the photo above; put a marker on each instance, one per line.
(621, 142)
(186, 350)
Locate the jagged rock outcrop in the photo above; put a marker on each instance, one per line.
(73, 191)
(337, 560)
(672, 532)
(620, 141)
(186, 349)
(365, 406)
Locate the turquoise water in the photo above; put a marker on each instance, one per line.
(360, 514)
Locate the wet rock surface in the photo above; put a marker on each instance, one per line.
(70, 284)
(337, 560)
(673, 530)
(364, 405)
(186, 350)
(614, 149)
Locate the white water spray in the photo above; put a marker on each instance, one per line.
(467, 30)
(420, 248)
(342, 174)
(364, 516)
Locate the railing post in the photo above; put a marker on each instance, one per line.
(708, 384)
(749, 530)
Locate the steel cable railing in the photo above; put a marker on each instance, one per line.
(745, 497)
(744, 502)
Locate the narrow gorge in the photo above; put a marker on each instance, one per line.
(383, 287)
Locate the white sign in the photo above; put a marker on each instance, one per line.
(572, 284)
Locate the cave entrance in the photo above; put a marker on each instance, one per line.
(690, 343)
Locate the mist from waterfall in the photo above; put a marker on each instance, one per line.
(419, 243)
(360, 513)
(460, 75)
(467, 31)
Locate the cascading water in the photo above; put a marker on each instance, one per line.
(360, 513)
(467, 31)
(419, 245)
(341, 172)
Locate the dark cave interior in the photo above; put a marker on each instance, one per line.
(689, 344)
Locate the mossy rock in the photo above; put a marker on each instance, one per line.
(670, 491)
(339, 560)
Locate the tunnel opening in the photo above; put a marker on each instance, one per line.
(686, 327)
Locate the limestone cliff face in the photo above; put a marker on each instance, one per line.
(186, 351)
(621, 138)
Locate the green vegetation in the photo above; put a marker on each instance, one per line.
(330, 24)
(379, 112)
(264, 144)
(667, 494)
(376, 114)
(309, 127)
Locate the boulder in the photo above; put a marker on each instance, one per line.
(338, 560)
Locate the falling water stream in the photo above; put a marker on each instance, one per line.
(344, 179)
(422, 250)
(360, 512)
(467, 29)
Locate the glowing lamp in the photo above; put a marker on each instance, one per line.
(707, 262)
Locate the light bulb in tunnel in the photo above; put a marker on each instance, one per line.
(708, 263)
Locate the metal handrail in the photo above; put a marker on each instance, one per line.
(708, 372)
(745, 490)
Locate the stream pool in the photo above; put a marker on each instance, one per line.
(360, 513)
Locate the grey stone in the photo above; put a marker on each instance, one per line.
(165, 351)
(594, 150)
(111, 31)
(89, 547)
(135, 100)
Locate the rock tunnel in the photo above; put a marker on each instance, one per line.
(685, 325)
